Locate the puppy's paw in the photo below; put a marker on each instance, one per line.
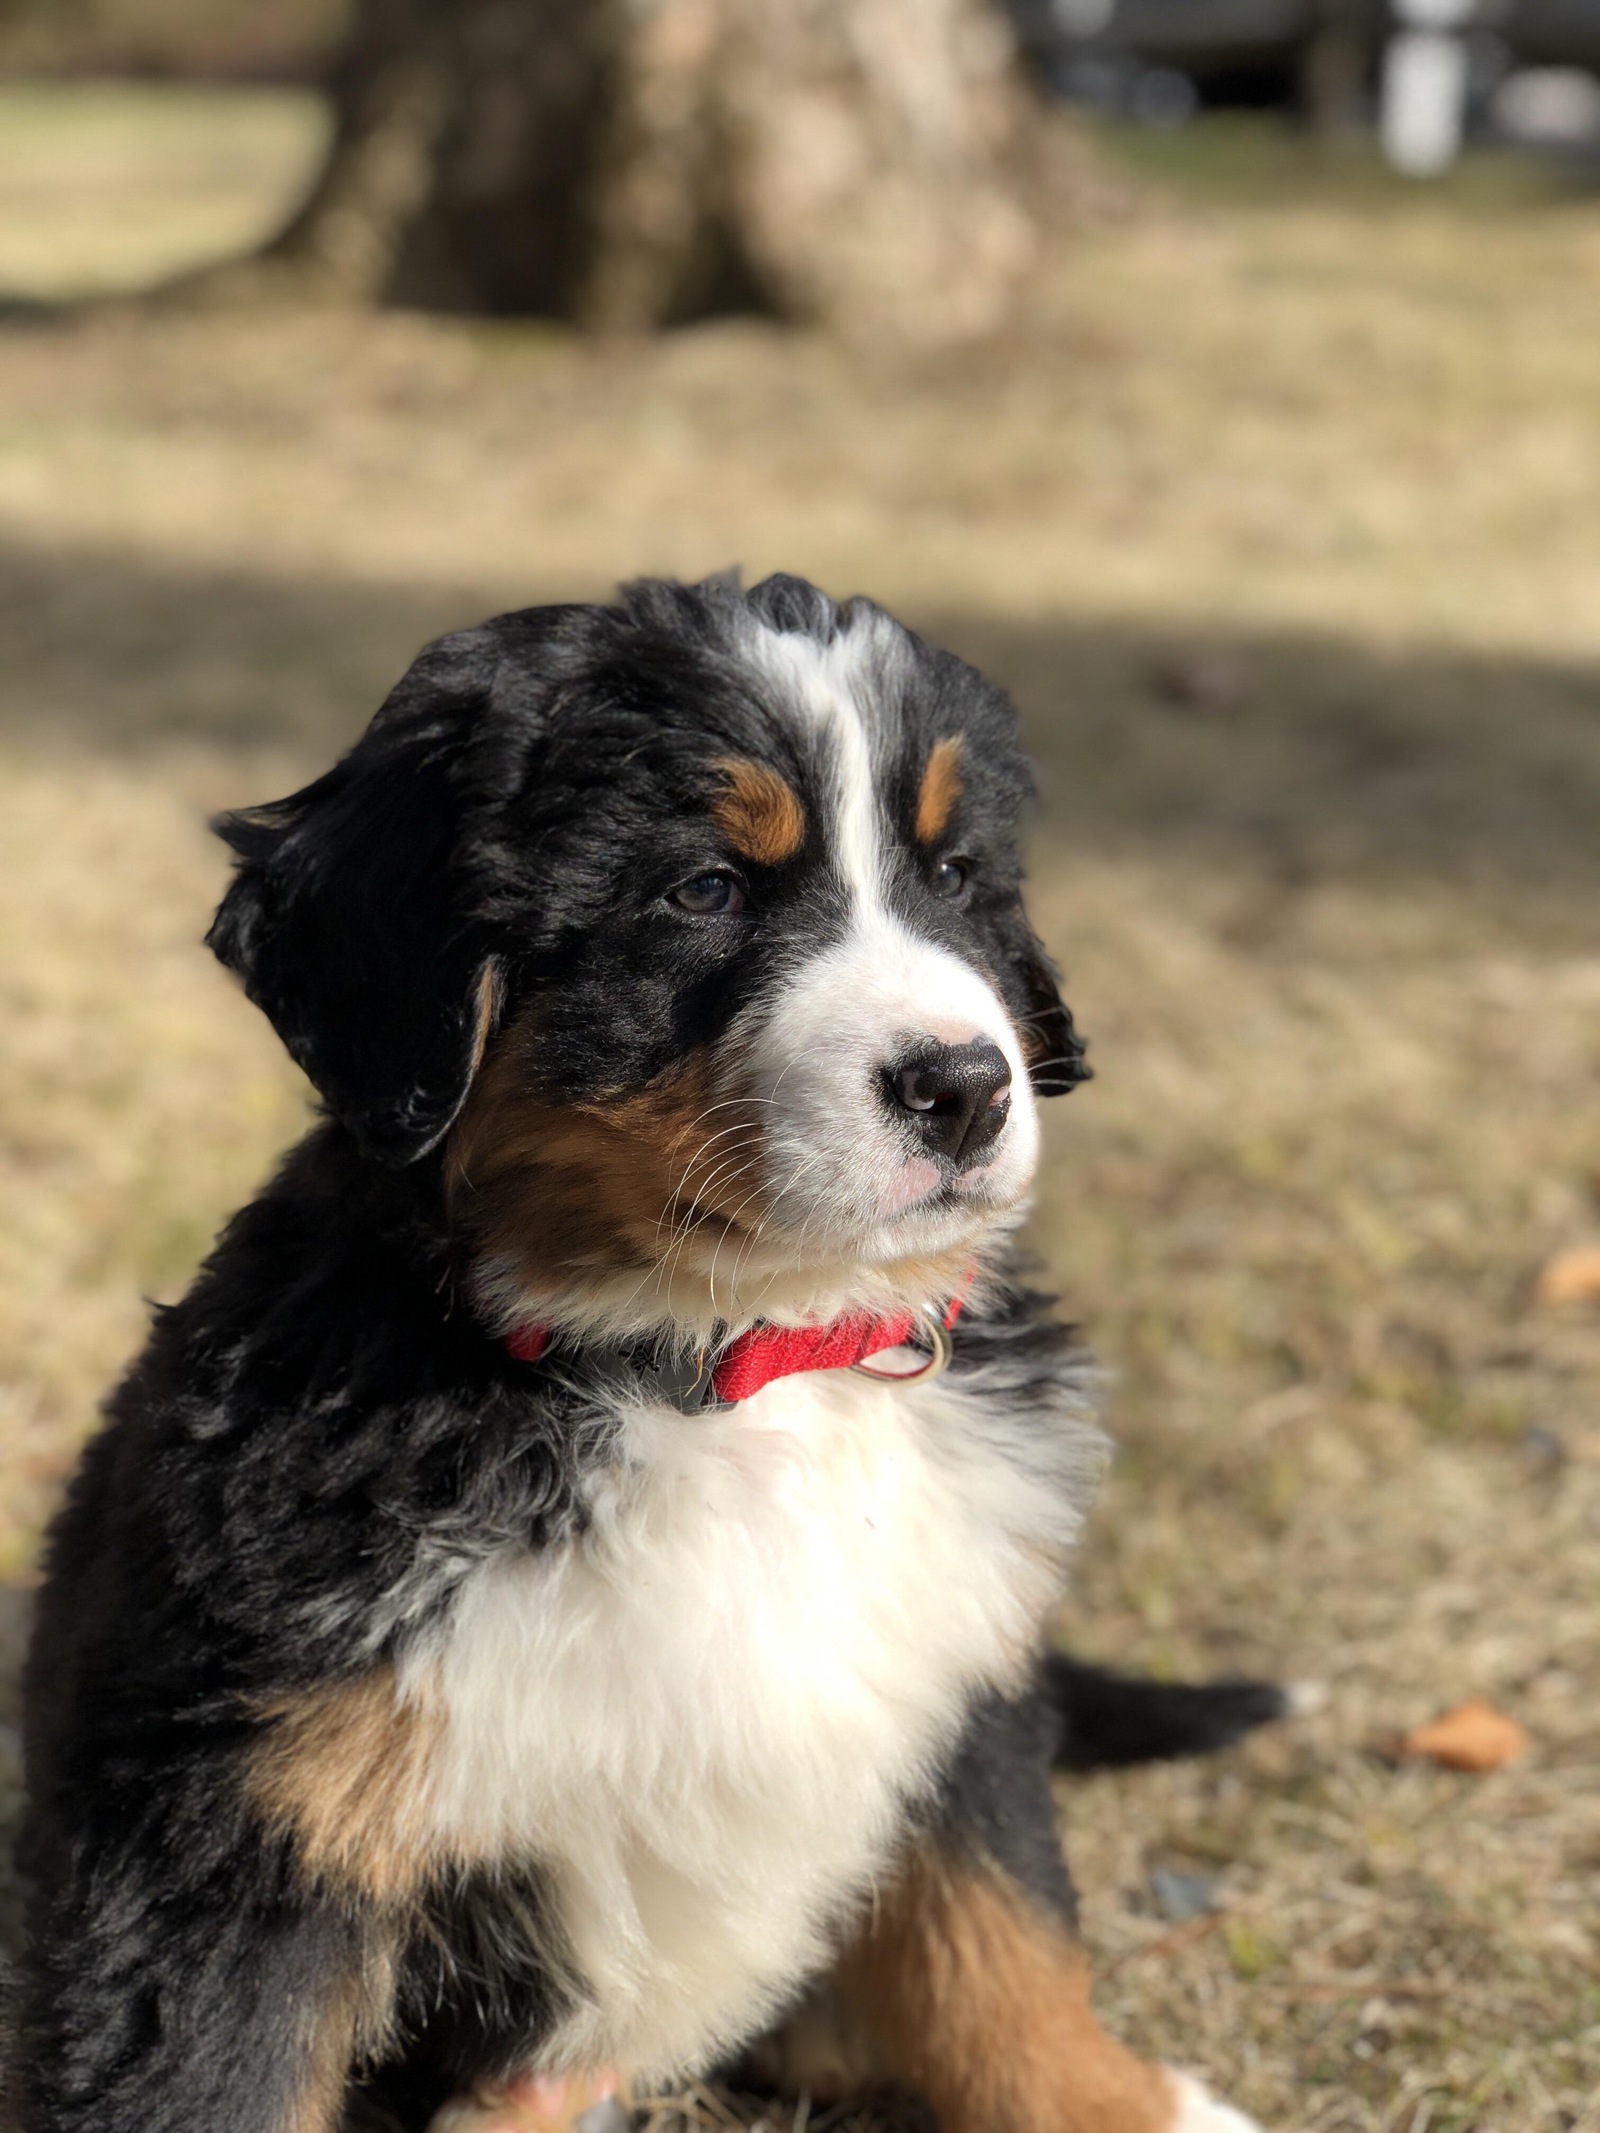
(1199, 2111)
(539, 2103)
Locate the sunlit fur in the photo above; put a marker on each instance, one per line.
(405, 1708)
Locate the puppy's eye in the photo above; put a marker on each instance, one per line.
(711, 895)
(950, 877)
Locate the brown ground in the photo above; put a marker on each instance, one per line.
(1280, 520)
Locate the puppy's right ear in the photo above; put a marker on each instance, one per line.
(351, 916)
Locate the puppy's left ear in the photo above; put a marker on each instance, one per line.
(350, 921)
(1050, 1043)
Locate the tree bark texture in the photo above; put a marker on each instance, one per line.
(633, 163)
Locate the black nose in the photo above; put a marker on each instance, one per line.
(955, 1097)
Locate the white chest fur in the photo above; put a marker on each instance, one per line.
(705, 1717)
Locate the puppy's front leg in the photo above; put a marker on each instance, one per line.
(161, 2000)
(969, 1981)
(978, 1996)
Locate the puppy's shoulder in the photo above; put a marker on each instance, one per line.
(314, 1441)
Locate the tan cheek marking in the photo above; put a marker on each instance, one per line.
(940, 789)
(564, 1190)
(344, 1771)
(564, 1194)
(758, 812)
(981, 2001)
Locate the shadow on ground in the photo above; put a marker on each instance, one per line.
(1303, 755)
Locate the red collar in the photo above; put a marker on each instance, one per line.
(754, 1358)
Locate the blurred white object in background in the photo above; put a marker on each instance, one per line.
(1423, 101)
(1548, 107)
(1435, 14)
(1082, 18)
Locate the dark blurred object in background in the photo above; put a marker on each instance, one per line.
(1528, 67)
(1157, 60)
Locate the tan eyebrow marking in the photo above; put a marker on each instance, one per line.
(941, 788)
(758, 812)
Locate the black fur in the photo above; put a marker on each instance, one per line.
(996, 1798)
(321, 1440)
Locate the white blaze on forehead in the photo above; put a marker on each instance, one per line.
(836, 690)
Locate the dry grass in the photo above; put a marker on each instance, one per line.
(86, 208)
(1280, 521)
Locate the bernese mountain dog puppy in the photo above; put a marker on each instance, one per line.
(561, 1600)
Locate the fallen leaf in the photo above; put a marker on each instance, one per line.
(1571, 1277)
(1474, 1736)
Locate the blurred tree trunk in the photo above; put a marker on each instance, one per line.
(632, 163)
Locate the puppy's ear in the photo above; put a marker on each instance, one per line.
(350, 921)
(1052, 1046)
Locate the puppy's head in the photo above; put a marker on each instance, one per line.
(691, 928)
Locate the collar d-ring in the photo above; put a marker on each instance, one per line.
(941, 1348)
